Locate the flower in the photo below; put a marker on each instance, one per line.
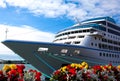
(6, 68)
(15, 72)
(1, 75)
(37, 76)
(81, 72)
(13, 66)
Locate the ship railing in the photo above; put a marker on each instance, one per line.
(96, 33)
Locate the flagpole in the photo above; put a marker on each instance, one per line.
(6, 33)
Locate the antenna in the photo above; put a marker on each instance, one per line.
(6, 31)
(77, 20)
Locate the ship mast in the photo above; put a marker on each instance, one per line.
(6, 31)
(77, 20)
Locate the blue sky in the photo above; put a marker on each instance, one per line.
(38, 20)
(10, 16)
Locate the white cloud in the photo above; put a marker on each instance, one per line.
(2, 4)
(22, 33)
(49, 8)
(71, 8)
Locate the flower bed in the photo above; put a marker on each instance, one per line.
(15, 72)
(83, 72)
(71, 72)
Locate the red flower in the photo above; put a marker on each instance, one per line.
(72, 71)
(68, 67)
(20, 67)
(97, 68)
(20, 71)
(89, 76)
(38, 73)
(105, 77)
(1, 75)
(20, 80)
(30, 70)
(12, 73)
(57, 72)
(109, 64)
(34, 71)
(37, 76)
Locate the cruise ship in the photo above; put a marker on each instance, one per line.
(95, 41)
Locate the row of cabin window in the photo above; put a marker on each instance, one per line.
(75, 42)
(66, 50)
(109, 55)
(105, 46)
(114, 37)
(78, 31)
(109, 41)
(118, 62)
(71, 37)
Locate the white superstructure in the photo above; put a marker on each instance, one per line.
(98, 33)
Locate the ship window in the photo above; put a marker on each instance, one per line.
(117, 56)
(72, 32)
(76, 31)
(100, 54)
(88, 30)
(77, 52)
(42, 49)
(80, 36)
(95, 38)
(92, 30)
(112, 55)
(95, 44)
(77, 42)
(109, 55)
(84, 30)
(68, 32)
(80, 31)
(64, 51)
(67, 42)
(99, 45)
(92, 44)
(72, 37)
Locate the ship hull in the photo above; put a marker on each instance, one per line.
(52, 59)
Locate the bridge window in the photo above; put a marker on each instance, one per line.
(64, 51)
(42, 49)
(77, 52)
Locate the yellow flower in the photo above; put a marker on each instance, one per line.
(6, 67)
(80, 66)
(86, 66)
(64, 68)
(83, 63)
(72, 65)
(118, 67)
(102, 67)
(13, 66)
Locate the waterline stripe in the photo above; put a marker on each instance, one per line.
(79, 59)
(44, 62)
